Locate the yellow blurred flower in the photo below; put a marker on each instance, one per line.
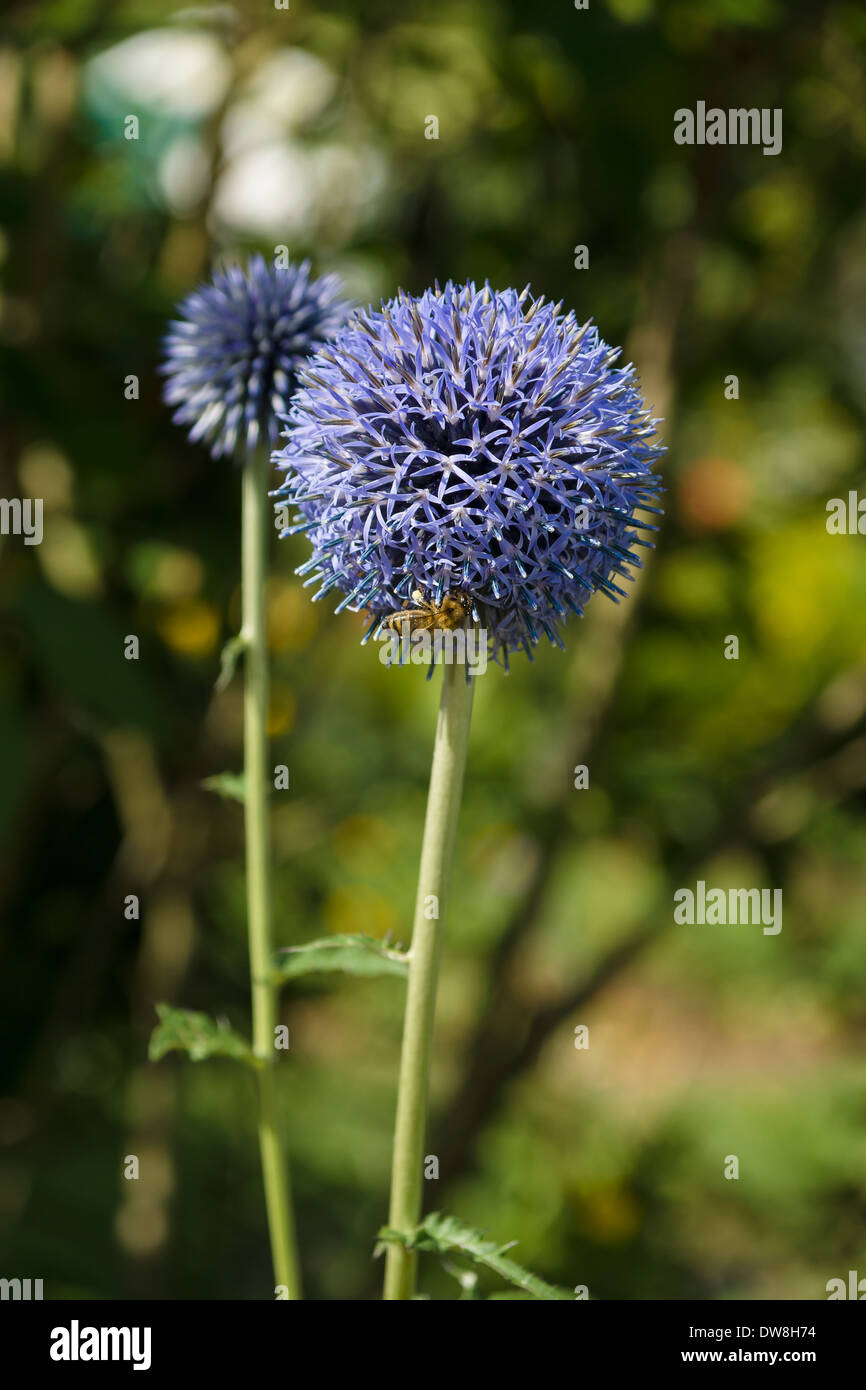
(291, 618)
(281, 709)
(191, 627)
(361, 841)
(360, 908)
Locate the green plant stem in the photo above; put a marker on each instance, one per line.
(437, 854)
(275, 1171)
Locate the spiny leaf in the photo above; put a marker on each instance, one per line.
(355, 955)
(183, 1030)
(228, 784)
(446, 1235)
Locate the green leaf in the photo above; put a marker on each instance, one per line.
(446, 1235)
(183, 1030)
(355, 955)
(229, 657)
(231, 785)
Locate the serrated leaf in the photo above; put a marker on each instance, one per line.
(354, 955)
(446, 1235)
(200, 1037)
(231, 785)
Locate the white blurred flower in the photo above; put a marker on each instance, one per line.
(286, 90)
(184, 175)
(286, 190)
(267, 191)
(177, 72)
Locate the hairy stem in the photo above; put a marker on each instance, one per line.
(437, 853)
(275, 1172)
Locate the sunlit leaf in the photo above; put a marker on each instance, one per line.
(229, 658)
(446, 1235)
(353, 955)
(230, 785)
(200, 1037)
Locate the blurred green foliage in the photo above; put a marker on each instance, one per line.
(306, 127)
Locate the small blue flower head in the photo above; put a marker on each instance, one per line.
(473, 442)
(232, 357)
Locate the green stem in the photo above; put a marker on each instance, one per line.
(275, 1171)
(437, 854)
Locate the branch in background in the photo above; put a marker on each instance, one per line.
(509, 1038)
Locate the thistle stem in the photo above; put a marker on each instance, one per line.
(437, 854)
(275, 1172)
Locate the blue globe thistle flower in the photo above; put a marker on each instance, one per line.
(232, 357)
(470, 441)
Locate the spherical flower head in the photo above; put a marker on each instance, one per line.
(474, 442)
(232, 357)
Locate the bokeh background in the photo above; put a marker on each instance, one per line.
(261, 127)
